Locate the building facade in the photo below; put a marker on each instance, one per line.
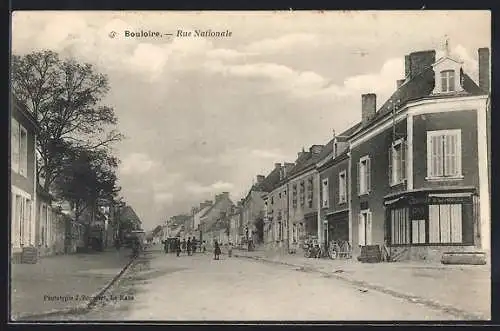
(303, 202)
(333, 188)
(419, 165)
(23, 179)
(222, 205)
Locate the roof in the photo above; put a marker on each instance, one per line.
(304, 161)
(418, 87)
(129, 213)
(21, 108)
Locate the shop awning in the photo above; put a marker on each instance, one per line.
(392, 201)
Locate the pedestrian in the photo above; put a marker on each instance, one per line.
(178, 246)
(204, 246)
(230, 249)
(193, 245)
(188, 246)
(183, 245)
(165, 246)
(216, 250)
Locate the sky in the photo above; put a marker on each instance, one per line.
(206, 115)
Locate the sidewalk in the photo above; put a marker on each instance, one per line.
(62, 282)
(463, 289)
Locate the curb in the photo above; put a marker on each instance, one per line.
(411, 298)
(76, 310)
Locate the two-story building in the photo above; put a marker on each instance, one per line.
(222, 205)
(253, 205)
(303, 203)
(333, 169)
(419, 165)
(23, 179)
(276, 210)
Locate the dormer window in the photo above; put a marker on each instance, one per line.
(447, 81)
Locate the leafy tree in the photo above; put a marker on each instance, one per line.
(87, 179)
(65, 97)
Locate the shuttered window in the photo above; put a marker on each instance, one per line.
(418, 231)
(397, 162)
(444, 154)
(324, 193)
(364, 175)
(445, 224)
(400, 226)
(365, 228)
(343, 187)
(14, 144)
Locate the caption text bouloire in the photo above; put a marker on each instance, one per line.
(83, 297)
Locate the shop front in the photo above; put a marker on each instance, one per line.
(424, 224)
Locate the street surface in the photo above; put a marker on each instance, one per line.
(169, 288)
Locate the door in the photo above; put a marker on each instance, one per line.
(365, 228)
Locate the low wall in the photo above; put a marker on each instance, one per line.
(426, 253)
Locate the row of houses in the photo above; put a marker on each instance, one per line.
(413, 176)
(40, 225)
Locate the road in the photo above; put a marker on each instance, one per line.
(164, 287)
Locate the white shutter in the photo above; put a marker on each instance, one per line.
(23, 159)
(368, 175)
(445, 220)
(14, 145)
(369, 228)
(438, 155)
(430, 154)
(391, 181)
(456, 223)
(434, 224)
(414, 232)
(14, 223)
(393, 227)
(359, 177)
(403, 160)
(361, 230)
(421, 228)
(407, 225)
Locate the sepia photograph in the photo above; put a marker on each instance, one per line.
(258, 166)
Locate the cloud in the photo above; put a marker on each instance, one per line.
(273, 154)
(283, 43)
(226, 54)
(219, 186)
(163, 197)
(136, 164)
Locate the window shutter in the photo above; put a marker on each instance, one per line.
(368, 228)
(430, 154)
(361, 230)
(14, 149)
(359, 178)
(368, 175)
(390, 165)
(404, 146)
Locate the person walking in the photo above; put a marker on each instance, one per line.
(165, 246)
(188, 246)
(183, 245)
(193, 245)
(230, 249)
(217, 251)
(204, 246)
(178, 246)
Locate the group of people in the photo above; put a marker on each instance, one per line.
(189, 246)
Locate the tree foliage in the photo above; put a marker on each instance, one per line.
(65, 97)
(87, 178)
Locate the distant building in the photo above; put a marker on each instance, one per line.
(222, 204)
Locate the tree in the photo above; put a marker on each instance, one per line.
(87, 179)
(65, 98)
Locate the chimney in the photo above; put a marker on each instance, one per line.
(316, 149)
(407, 66)
(484, 68)
(260, 178)
(368, 107)
(399, 82)
(277, 165)
(299, 154)
(287, 166)
(418, 62)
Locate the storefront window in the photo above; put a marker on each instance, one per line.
(445, 223)
(400, 226)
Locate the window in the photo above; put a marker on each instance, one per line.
(342, 187)
(310, 190)
(280, 231)
(365, 228)
(445, 223)
(279, 195)
(364, 176)
(302, 193)
(397, 162)
(400, 226)
(448, 81)
(294, 195)
(444, 154)
(21, 216)
(19, 148)
(418, 231)
(324, 193)
(272, 200)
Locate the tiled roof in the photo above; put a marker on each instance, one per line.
(328, 149)
(420, 86)
(269, 183)
(304, 161)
